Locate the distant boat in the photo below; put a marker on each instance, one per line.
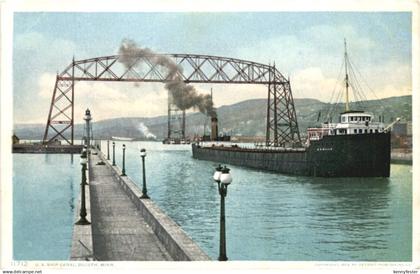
(121, 138)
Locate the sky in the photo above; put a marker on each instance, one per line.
(305, 46)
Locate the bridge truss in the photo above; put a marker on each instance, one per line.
(282, 127)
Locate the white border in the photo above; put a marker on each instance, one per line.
(6, 99)
(212, 6)
(6, 121)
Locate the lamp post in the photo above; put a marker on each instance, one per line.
(83, 213)
(113, 153)
(123, 162)
(223, 178)
(87, 118)
(107, 143)
(144, 190)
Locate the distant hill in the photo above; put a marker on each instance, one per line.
(246, 118)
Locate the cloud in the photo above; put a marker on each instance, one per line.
(319, 45)
(36, 59)
(328, 37)
(313, 56)
(29, 41)
(227, 94)
(390, 79)
(312, 83)
(390, 90)
(385, 80)
(46, 85)
(37, 51)
(110, 100)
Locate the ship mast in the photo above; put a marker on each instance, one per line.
(347, 76)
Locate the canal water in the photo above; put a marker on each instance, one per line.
(268, 216)
(45, 195)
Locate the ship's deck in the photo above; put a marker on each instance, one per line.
(238, 148)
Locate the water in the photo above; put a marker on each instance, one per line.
(276, 217)
(45, 194)
(268, 216)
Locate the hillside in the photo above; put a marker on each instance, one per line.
(246, 118)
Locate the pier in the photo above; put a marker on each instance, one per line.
(46, 148)
(123, 226)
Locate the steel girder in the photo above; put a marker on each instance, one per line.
(176, 121)
(61, 114)
(282, 126)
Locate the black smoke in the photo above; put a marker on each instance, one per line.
(184, 96)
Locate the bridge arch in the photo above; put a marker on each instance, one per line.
(282, 126)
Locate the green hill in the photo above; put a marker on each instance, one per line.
(246, 118)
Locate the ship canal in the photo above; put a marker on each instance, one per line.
(45, 196)
(269, 216)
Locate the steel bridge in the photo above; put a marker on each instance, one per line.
(282, 127)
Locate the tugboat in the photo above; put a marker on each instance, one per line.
(356, 146)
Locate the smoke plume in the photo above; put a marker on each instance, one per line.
(184, 96)
(145, 131)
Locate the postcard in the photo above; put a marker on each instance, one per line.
(209, 136)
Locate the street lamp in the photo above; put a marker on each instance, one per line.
(123, 162)
(144, 190)
(83, 213)
(87, 118)
(107, 143)
(85, 163)
(217, 173)
(223, 178)
(113, 153)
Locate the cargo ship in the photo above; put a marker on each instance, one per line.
(355, 146)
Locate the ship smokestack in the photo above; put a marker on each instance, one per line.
(214, 129)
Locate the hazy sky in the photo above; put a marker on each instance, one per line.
(308, 47)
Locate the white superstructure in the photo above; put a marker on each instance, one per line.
(351, 122)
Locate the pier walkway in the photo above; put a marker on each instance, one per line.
(119, 232)
(123, 226)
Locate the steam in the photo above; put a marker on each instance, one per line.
(184, 96)
(146, 132)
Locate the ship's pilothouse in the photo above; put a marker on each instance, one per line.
(351, 122)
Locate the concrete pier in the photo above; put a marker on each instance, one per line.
(125, 227)
(45, 148)
(405, 158)
(119, 230)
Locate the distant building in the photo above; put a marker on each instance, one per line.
(15, 139)
(410, 128)
(56, 142)
(400, 129)
(402, 135)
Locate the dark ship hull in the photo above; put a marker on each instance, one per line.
(359, 155)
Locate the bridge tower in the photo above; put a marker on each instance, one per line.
(282, 126)
(176, 121)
